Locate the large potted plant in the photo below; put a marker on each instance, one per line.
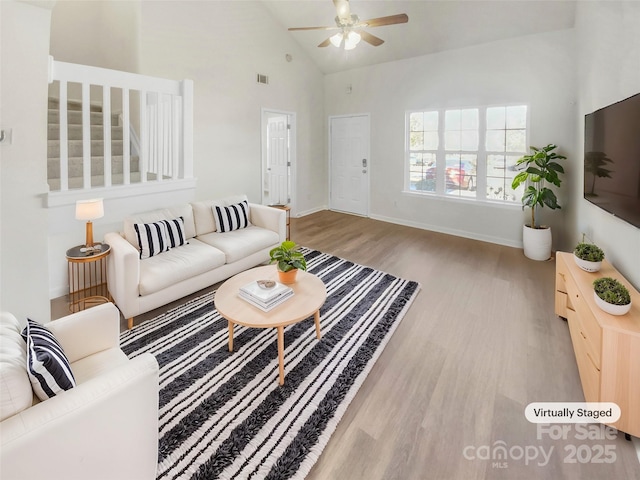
(288, 260)
(541, 171)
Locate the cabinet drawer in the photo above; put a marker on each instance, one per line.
(591, 331)
(561, 304)
(589, 371)
(560, 281)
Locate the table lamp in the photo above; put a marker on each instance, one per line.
(89, 210)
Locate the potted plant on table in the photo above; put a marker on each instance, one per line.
(611, 296)
(541, 169)
(288, 261)
(588, 256)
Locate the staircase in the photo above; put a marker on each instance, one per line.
(75, 148)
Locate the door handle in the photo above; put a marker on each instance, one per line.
(364, 170)
(364, 162)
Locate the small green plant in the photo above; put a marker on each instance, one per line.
(612, 291)
(588, 252)
(287, 257)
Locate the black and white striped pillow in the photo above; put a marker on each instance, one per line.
(175, 232)
(152, 238)
(47, 365)
(233, 217)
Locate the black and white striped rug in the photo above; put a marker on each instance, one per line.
(223, 415)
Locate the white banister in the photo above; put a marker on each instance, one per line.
(86, 135)
(126, 138)
(187, 127)
(144, 136)
(162, 128)
(63, 137)
(106, 133)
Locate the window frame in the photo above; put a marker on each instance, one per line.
(481, 161)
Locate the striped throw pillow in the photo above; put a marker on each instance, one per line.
(152, 238)
(175, 232)
(233, 217)
(47, 365)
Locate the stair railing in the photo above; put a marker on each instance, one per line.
(165, 123)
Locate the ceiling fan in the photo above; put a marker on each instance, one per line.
(351, 27)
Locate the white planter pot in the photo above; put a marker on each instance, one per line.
(586, 265)
(536, 242)
(610, 308)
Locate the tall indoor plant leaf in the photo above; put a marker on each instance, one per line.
(541, 170)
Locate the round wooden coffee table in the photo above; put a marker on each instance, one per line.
(309, 295)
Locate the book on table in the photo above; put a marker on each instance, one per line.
(265, 298)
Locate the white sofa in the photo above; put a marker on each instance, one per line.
(105, 427)
(140, 285)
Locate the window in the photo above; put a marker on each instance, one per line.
(467, 153)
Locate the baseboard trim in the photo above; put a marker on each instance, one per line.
(449, 231)
(309, 212)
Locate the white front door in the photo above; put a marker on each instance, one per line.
(349, 163)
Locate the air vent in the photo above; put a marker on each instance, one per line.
(263, 79)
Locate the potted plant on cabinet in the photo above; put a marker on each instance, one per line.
(288, 261)
(541, 169)
(611, 296)
(588, 256)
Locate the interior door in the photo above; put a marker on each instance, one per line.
(277, 157)
(349, 163)
(278, 160)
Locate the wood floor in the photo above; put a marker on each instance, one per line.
(480, 342)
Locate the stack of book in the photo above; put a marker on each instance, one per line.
(265, 298)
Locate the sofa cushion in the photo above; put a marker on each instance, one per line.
(178, 264)
(203, 212)
(97, 364)
(184, 211)
(16, 393)
(47, 365)
(241, 243)
(175, 232)
(233, 217)
(152, 238)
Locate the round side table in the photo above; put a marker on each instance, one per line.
(88, 276)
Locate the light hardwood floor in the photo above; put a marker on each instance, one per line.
(479, 343)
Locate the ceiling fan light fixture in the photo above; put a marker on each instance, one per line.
(336, 39)
(352, 39)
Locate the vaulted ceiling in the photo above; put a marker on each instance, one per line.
(434, 26)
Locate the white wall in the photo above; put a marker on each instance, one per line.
(24, 281)
(222, 46)
(98, 33)
(609, 70)
(536, 70)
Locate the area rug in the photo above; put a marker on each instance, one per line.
(223, 415)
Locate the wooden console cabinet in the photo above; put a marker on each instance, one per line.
(607, 347)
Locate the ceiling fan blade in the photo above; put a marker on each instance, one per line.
(326, 43)
(372, 39)
(312, 28)
(382, 21)
(342, 7)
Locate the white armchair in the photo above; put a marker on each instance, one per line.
(104, 428)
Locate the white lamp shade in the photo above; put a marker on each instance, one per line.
(336, 39)
(351, 40)
(89, 209)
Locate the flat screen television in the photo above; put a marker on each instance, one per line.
(612, 159)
